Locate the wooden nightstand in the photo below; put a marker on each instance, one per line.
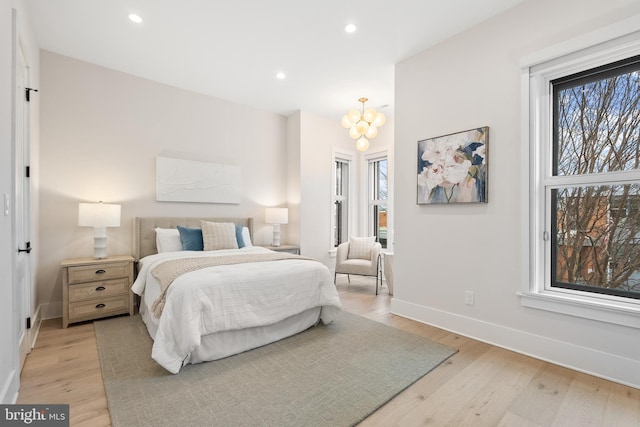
(94, 288)
(285, 248)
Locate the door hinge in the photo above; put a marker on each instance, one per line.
(27, 248)
(27, 91)
(27, 171)
(28, 322)
(545, 235)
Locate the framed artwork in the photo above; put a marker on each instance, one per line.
(453, 168)
(179, 180)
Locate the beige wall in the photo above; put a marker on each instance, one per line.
(101, 132)
(469, 81)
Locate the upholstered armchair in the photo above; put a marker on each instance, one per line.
(359, 256)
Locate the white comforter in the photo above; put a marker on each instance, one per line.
(232, 297)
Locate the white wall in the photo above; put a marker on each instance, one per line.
(101, 131)
(294, 176)
(9, 357)
(469, 81)
(319, 138)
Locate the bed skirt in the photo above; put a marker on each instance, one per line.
(227, 343)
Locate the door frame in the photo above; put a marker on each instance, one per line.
(22, 268)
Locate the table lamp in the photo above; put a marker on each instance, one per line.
(276, 216)
(99, 216)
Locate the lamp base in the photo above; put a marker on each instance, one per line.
(276, 235)
(100, 242)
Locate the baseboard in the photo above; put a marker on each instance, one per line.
(9, 392)
(51, 310)
(583, 359)
(36, 322)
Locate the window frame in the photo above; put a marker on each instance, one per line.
(596, 49)
(373, 202)
(347, 159)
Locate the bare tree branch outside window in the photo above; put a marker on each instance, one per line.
(596, 243)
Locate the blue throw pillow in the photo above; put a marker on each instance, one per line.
(191, 239)
(239, 238)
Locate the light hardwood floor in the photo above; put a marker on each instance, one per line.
(481, 385)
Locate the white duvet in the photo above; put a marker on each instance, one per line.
(231, 297)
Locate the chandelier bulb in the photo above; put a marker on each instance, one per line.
(353, 116)
(379, 120)
(372, 132)
(362, 126)
(353, 133)
(362, 144)
(370, 115)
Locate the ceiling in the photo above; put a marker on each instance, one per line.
(232, 49)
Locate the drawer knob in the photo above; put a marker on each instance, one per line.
(100, 305)
(100, 288)
(101, 271)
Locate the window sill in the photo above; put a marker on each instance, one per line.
(618, 313)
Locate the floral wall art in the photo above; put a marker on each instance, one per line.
(453, 168)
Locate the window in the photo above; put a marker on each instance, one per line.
(596, 135)
(584, 183)
(378, 190)
(340, 217)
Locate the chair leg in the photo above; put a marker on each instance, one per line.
(378, 273)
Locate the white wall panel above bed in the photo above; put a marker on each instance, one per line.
(179, 180)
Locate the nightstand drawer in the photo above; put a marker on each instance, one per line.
(101, 289)
(98, 307)
(89, 273)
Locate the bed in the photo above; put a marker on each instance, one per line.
(233, 300)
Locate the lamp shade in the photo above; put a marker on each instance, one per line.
(98, 215)
(276, 216)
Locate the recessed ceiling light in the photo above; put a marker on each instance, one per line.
(350, 28)
(135, 18)
(281, 75)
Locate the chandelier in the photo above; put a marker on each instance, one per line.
(363, 125)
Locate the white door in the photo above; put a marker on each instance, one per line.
(22, 210)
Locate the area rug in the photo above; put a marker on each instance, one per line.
(333, 375)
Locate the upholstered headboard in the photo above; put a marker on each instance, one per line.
(144, 234)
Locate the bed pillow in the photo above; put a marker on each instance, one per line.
(218, 235)
(246, 237)
(191, 238)
(360, 247)
(168, 240)
(239, 238)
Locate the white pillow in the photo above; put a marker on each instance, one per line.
(246, 237)
(360, 247)
(218, 235)
(168, 240)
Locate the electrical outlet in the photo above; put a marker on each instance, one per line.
(468, 297)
